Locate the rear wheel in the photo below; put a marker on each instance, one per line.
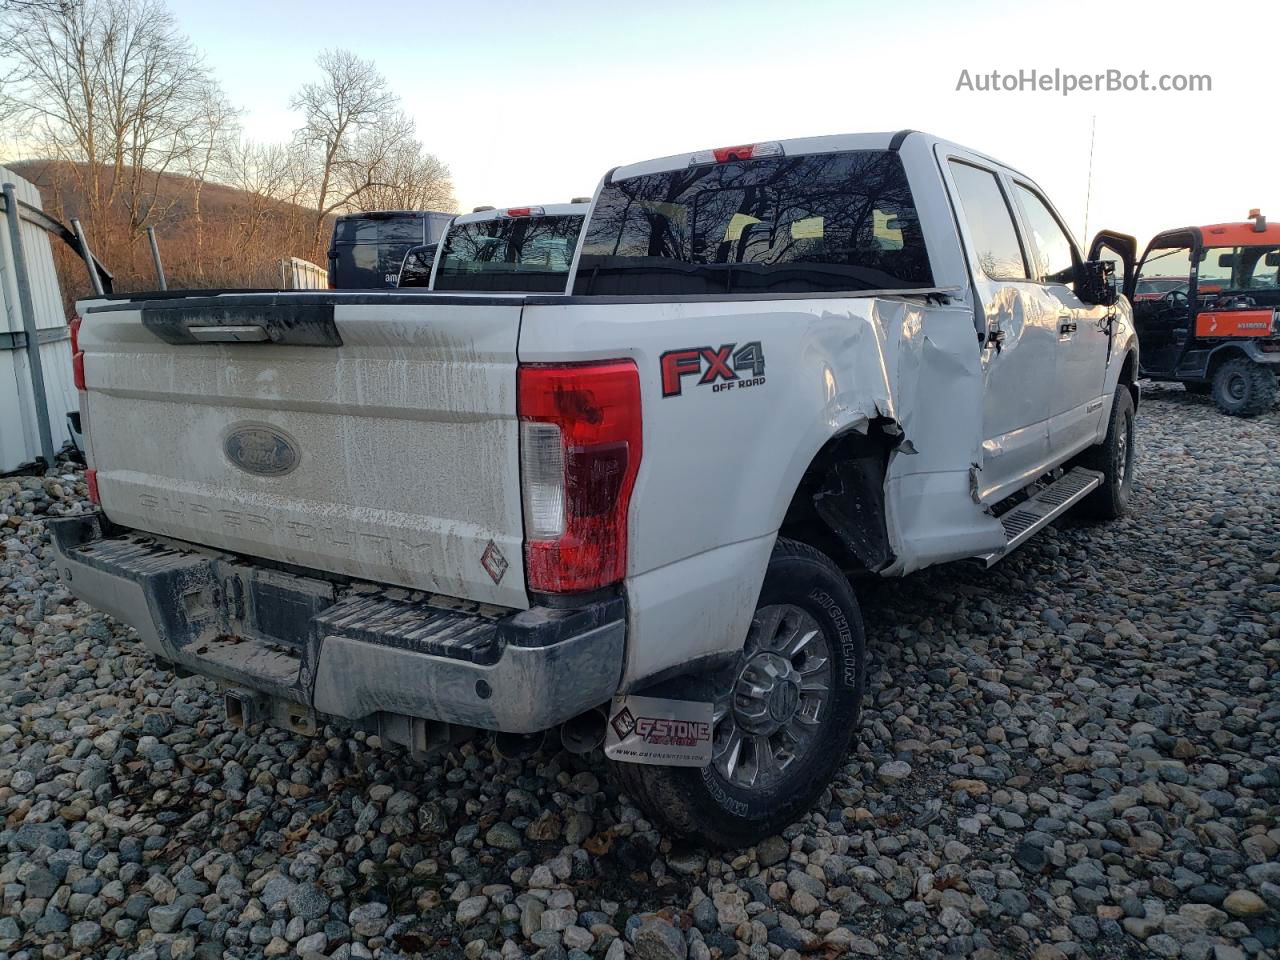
(1113, 458)
(1242, 388)
(784, 711)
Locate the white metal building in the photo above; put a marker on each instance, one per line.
(19, 436)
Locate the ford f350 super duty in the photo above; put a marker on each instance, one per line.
(629, 512)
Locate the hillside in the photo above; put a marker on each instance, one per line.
(234, 238)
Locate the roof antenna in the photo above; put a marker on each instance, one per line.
(1088, 188)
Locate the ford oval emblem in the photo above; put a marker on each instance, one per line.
(260, 448)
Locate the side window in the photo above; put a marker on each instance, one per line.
(1051, 246)
(1266, 269)
(990, 222)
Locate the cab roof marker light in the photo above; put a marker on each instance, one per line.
(1259, 221)
(523, 211)
(744, 151)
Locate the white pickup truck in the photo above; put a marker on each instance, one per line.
(627, 510)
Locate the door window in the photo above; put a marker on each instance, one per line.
(1051, 246)
(1165, 270)
(1160, 295)
(991, 228)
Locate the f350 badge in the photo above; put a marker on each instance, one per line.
(731, 367)
(261, 449)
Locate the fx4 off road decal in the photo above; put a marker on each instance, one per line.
(727, 368)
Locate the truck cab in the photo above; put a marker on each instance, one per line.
(1207, 310)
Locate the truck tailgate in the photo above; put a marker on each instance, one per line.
(373, 436)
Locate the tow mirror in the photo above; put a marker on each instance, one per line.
(1098, 283)
(1122, 249)
(1226, 259)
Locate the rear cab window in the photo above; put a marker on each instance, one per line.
(816, 223)
(529, 254)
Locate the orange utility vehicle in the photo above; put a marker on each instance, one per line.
(1218, 329)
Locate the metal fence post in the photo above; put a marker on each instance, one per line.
(28, 309)
(155, 257)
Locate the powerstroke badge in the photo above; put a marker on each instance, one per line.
(671, 733)
(728, 368)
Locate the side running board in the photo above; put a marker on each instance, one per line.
(1033, 514)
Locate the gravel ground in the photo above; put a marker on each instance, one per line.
(1075, 754)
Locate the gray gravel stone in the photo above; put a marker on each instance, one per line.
(657, 939)
(307, 901)
(1080, 751)
(85, 935)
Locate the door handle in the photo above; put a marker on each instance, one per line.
(1066, 324)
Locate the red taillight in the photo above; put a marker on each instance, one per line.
(580, 445)
(77, 355)
(91, 478)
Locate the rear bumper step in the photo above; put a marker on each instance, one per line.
(355, 653)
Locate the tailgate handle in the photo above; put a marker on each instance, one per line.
(244, 333)
(279, 319)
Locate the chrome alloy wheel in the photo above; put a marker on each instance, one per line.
(770, 714)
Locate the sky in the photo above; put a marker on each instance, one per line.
(531, 103)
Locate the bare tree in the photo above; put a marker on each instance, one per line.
(350, 102)
(131, 130)
(269, 180)
(208, 141)
(26, 6)
(395, 173)
(113, 90)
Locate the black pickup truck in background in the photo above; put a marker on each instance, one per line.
(368, 248)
